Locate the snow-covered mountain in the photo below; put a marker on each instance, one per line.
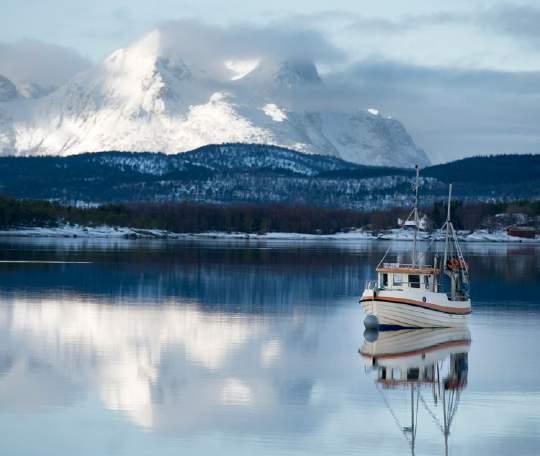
(147, 98)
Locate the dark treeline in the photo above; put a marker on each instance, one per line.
(494, 169)
(194, 217)
(474, 215)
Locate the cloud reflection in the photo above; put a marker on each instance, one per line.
(171, 367)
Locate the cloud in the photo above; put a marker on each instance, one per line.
(450, 112)
(205, 44)
(516, 21)
(402, 75)
(123, 15)
(521, 22)
(406, 23)
(39, 62)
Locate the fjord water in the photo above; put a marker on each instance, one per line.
(153, 347)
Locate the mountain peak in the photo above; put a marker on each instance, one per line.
(144, 77)
(8, 90)
(174, 67)
(295, 72)
(145, 56)
(285, 74)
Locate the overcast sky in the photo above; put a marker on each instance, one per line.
(463, 76)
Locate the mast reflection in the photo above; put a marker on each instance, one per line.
(430, 364)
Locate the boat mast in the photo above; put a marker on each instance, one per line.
(445, 417)
(415, 217)
(413, 421)
(447, 224)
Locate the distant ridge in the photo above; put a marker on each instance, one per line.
(254, 173)
(491, 169)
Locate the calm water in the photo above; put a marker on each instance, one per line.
(234, 348)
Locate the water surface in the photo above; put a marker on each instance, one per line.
(244, 348)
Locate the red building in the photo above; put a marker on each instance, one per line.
(522, 231)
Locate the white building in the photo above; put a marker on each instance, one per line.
(423, 223)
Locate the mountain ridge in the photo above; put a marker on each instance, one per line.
(240, 173)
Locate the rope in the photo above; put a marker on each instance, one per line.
(433, 416)
(390, 246)
(454, 410)
(396, 420)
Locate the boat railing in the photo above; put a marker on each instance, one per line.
(458, 297)
(371, 284)
(403, 266)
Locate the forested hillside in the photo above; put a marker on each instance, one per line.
(257, 174)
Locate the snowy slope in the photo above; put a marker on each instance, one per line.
(8, 90)
(145, 98)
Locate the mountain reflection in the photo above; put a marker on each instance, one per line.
(243, 279)
(251, 277)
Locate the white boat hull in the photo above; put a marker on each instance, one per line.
(415, 310)
(415, 347)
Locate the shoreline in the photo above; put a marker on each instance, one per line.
(107, 232)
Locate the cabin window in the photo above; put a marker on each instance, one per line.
(383, 373)
(426, 282)
(414, 281)
(397, 279)
(413, 373)
(385, 280)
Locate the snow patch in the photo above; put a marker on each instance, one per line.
(373, 111)
(241, 68)
(104, 231)
(274, 112)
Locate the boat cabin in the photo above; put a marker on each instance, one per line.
(394, 276)
(391, 377)
(454, 379)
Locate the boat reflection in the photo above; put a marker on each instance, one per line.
(430, 364)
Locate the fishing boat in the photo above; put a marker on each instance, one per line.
(430, 364)
(420, 294)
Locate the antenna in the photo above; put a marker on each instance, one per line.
(415, 216)
(447, 224)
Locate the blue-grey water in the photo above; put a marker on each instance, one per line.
(233, 348)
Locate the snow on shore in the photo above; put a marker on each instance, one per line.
(75, 231)
(84, 232)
